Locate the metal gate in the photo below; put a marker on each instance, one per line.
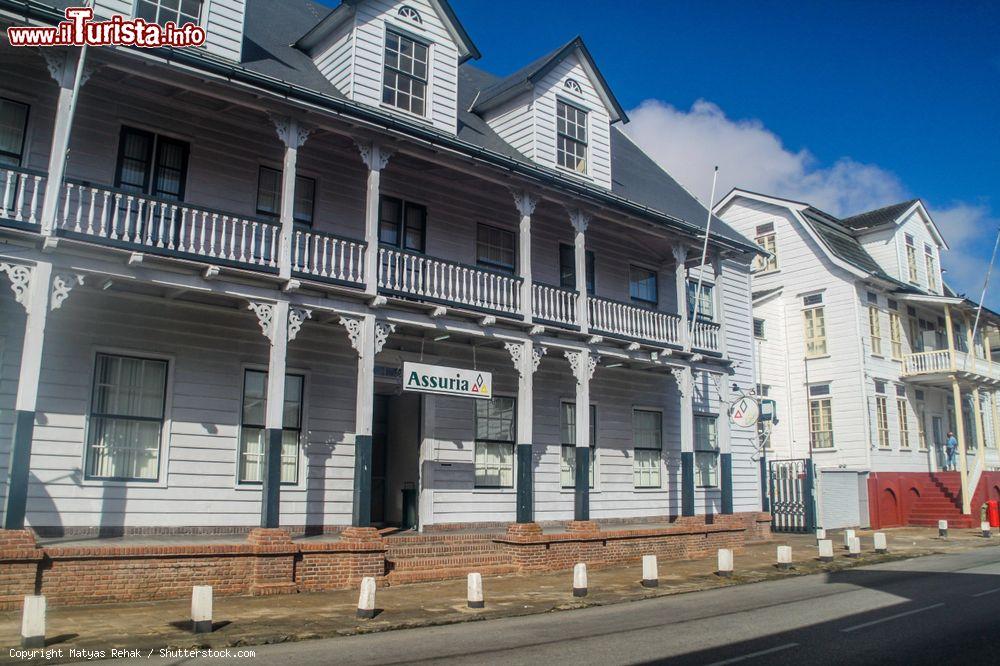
(793, 507)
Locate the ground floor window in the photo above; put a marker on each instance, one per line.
(126, 418)
(494, 456)
(647, 439)
(567, 467)
(820, 417)
(252, 433)
(706, 450)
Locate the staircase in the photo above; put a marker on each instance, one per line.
(413, 558)
(940, 499)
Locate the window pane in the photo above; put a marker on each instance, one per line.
(495, 247)
(494, 464)
(254, 398)
(251, 454)
(706, 469)
(416, 220)
(495, 419)
(646, 468)
(136, 154)
(646, 429)
(390, 219)
(171, 161)
(305, 197)
(642, 284)
(290, 456)
(13, 124)
(269, 192)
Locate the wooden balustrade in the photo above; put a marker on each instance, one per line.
(21, 193)
(447, 282)
(324, 255)
(705, 336)
(553, 304)
(632, 321)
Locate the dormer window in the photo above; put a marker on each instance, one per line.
(161, 11)
(573, 85)
(404, 79)
(571, 128)
(410, 14)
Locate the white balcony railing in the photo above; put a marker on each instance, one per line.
(928, 362)
(163, 226)
(326, 256)
(632, 321)
(705, 336)
(21, 192)
(553, 304)
(447, 282)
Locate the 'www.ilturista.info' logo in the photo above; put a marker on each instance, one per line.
(79, 29)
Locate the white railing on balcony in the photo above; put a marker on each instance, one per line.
(632, 321)
(553, 304)
(21, 192)
(165, 226)
(705, 336)
(324, 255)
(448, 282)
(927, 362)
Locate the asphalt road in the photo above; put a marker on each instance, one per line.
(933, 610)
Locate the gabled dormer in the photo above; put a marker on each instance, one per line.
(399, 56)
(558, 112)
(905, 242)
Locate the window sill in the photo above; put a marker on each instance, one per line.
(571, 491)
(406, 114)
(815, 358)
(759, 273)
(832, 449)
(878, 356)
(657, 489)
(571, 172)
(97, 482)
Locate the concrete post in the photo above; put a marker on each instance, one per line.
(725, 559)
(848, 535)
(881, 545)
(33, 622)
(825, 550)
(943, 529)
(820, 534)
(366, 600)
(650, 572)
(375, 158)
(475, 591)
(784, 557)
(580, 580)
(201, 609)
(985, 527)
(525, 204)
(854, 548)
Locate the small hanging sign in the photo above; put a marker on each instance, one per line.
(442, 380)
(744, 412)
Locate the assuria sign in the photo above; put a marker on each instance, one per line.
(443, 380)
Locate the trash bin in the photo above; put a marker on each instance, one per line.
(993, 513)
(409, 508)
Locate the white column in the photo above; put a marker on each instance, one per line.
(680, 253)
(963, 467)
(685, 386)
(583, 363)
(292, 135)
(580, 220)
(720, 300)
(526, 357)
(525, 203)
(375, 158)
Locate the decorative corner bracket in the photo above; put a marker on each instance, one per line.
(296, 317)
(374, 155)
(265, 317)
(62, 284)
(20, 280)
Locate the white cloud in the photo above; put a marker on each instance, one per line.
(688, 144)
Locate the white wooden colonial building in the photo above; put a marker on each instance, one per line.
(866, 352)
(220, 258)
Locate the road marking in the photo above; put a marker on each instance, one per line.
(752, 655)
(890, 618)
(983, 594)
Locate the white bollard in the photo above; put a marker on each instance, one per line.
(580, 580)
(985, 526)
(854, 549)
(201, 609)
(725, 563)
(881, 545)
(848, 535)
(820, 534)
(650, 572)
(826, 550)
(476, 591)
(784, 557)
(943, 529)
(366, 602)
(33, 622)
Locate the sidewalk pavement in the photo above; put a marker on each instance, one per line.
(243, 621)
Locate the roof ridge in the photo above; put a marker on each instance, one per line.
(907, 203)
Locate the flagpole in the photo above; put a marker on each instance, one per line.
(704, 253)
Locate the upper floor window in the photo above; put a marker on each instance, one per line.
(567, 268)
(758, 328)
(161, 11)
(815, 325)
(896, 335)
(404, 79)
(573, 86)
(705, 302)
(911, 258)
(820, 417)
(765, 238)
(126, 418)
(410, 14)
(931, 265)
(571, 131)
(495, 248)
(642, 285)
(402, 224)
(252, 428)
(269, 195)
(151, 164)
(13, 130)
(875, 329)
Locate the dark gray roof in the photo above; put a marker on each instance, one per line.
(757, 295)
(840, 242)
(877, 217)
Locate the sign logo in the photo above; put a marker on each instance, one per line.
(442, 380)
(80, 29)
(744, 412)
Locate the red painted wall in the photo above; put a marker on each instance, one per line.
(893, 495)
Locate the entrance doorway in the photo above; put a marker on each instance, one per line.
(396, 437)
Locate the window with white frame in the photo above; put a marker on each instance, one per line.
(705, 301)
(126, 418)
(13, 131)
(253, 444)
(494, 455)
(567, 268)
(647, 440)
(904, 423)
(931, 264)
(495, 248)
(151, 164)
(881, 415)
(820, 417)
(758, 328)
(706, 450)
(269, 196)
(765, 238)
(815, 325)
(911, 258)
(404, 75)
(571, 137)
(875, 329)
(642, 285)
(896, 334)
(567, 466)
(161, 11)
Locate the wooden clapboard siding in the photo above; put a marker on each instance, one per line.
(772, 366)
(334, 58)
(208, 351)
(513, 121)
(888, 248)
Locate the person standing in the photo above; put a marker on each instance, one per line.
(949, 448)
